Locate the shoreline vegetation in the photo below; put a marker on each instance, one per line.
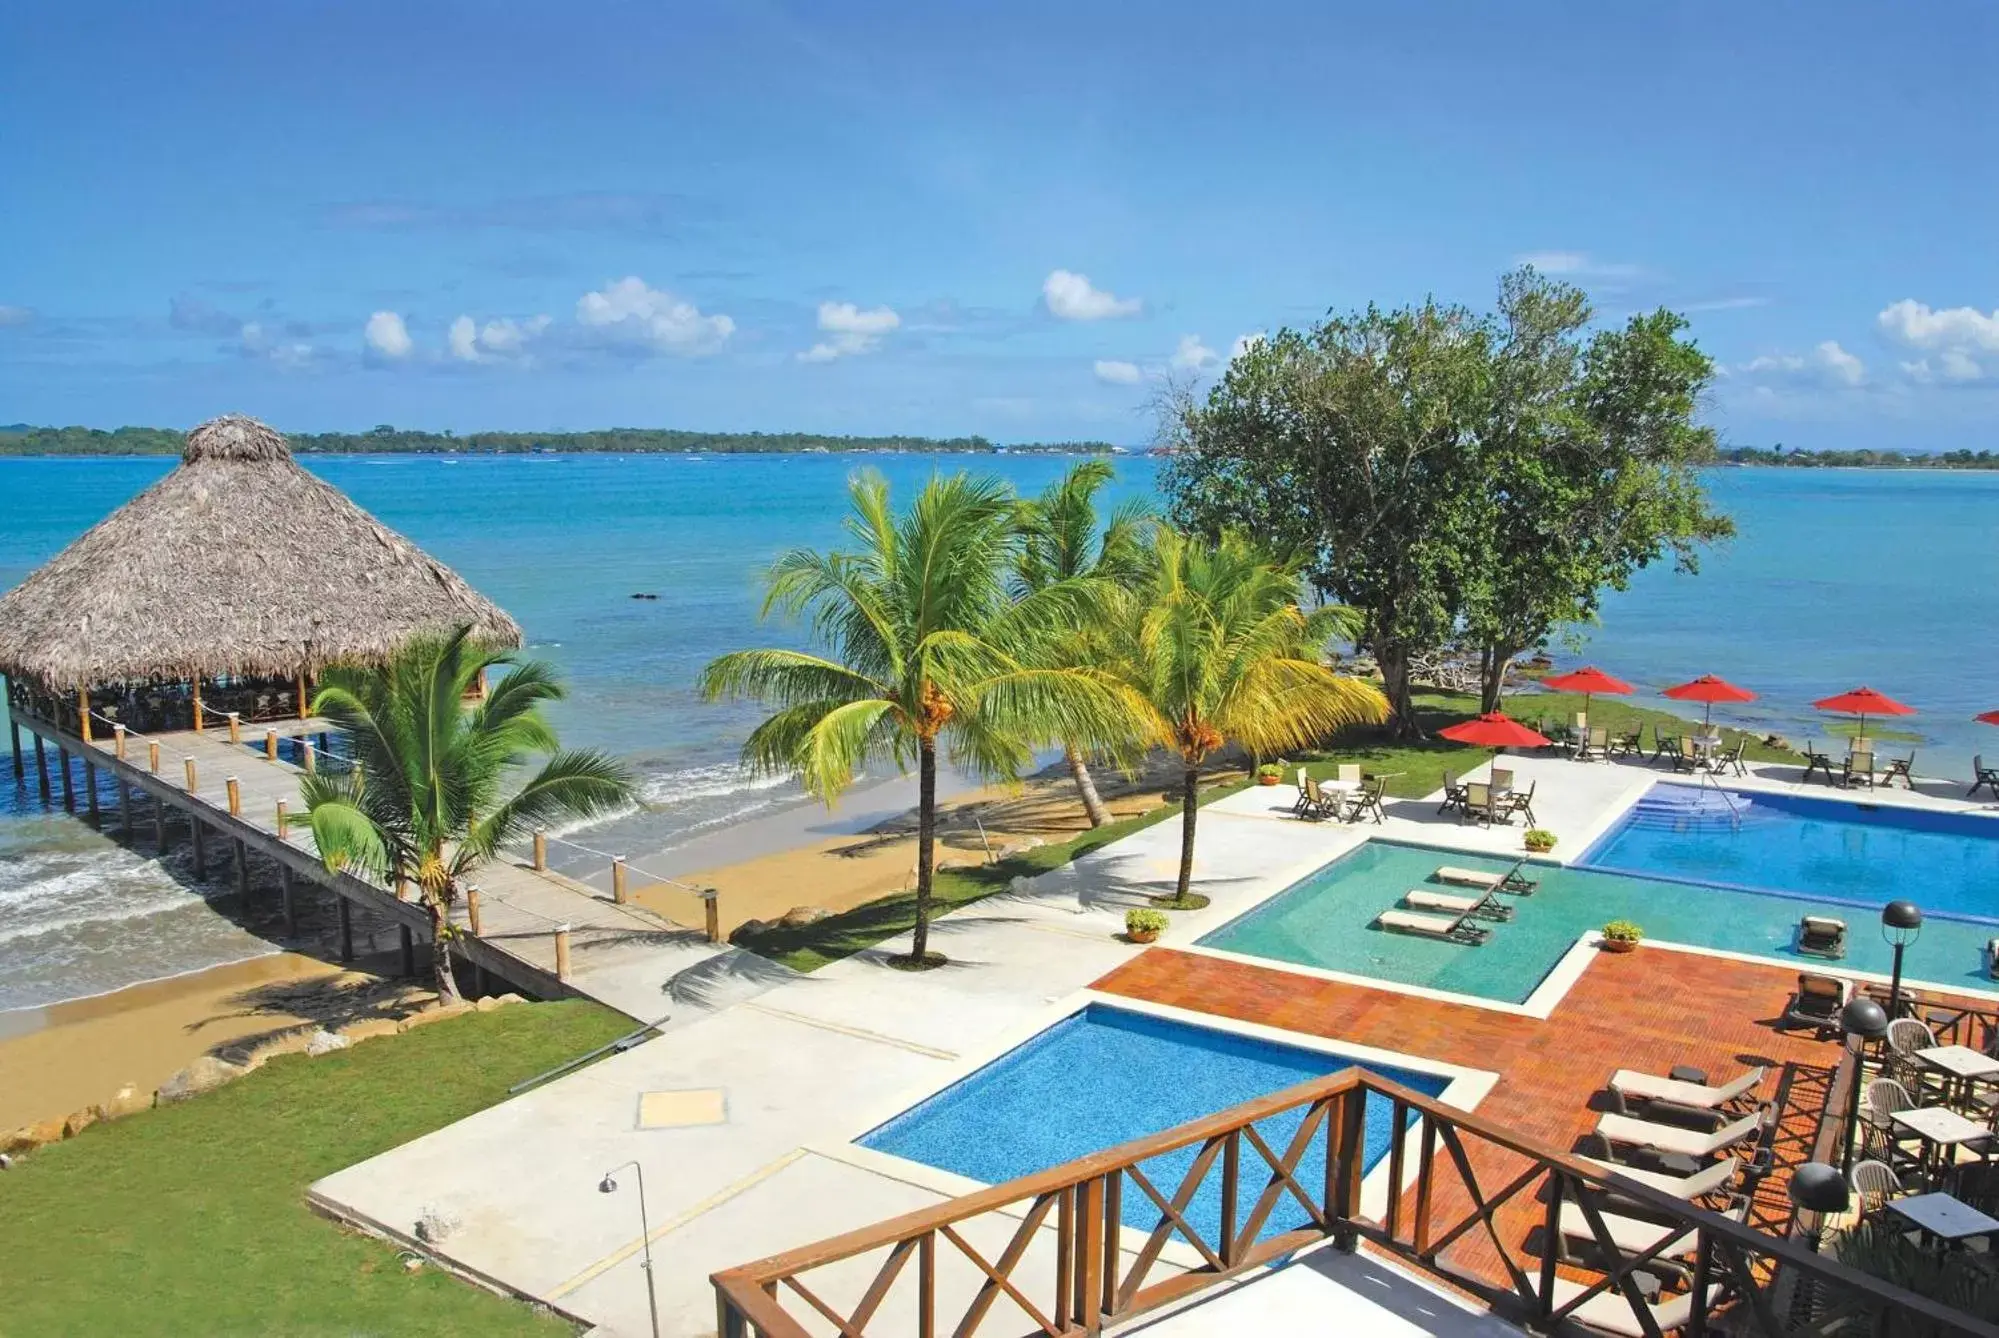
(22, 439)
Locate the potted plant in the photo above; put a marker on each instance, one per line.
(1270, 772)
(1142, 925)
(1621, 936)
(1539, 840)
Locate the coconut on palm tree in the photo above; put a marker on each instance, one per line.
(925, 652)
(1217, 647)
(433, 793)
(1064, 539)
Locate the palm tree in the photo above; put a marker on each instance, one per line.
(1217, 647)
(1061, 540)
(422, 803)
(924, 649)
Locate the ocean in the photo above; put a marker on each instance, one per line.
(1837, 578)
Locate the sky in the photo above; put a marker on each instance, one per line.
(952, 217)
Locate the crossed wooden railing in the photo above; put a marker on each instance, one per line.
(1059, 1254)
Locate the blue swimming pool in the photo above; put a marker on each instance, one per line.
(1833, 851)
(1326, 920)
(1104, 1076)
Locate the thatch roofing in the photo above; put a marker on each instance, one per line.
(239, 562)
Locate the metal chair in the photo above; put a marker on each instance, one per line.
(1873, 1183)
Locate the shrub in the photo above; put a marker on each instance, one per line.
(1623, 931)
(1138, 920)
(1271, 770)
(1540, 838)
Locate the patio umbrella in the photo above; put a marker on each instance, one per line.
(1863, 702)
(1989, 718)
(1494, 729)
(1708, 689)
(1588, 680)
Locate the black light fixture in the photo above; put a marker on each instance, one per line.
(1862, 1020)
(1817, 1192)
(1901, 923)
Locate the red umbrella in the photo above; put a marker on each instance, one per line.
(1989, 718)
(1709, 689)
(1863, 702)
(1494, 729)
(1587, 680)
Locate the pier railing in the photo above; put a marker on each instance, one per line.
(619, 871)
(1063, 1253)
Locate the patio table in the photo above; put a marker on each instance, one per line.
(1940, 1128)
(1948, 1219)
(1960, 1065)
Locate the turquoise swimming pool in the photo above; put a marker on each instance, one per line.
(1325, 920)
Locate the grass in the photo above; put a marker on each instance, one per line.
(192, 1218)
(1416, 769)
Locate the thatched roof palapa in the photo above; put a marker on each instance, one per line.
(238, 563)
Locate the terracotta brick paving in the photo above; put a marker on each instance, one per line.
(1648, 1010)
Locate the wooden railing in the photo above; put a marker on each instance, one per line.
(1058, 1254)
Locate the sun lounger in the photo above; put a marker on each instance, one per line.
(1510, 881)
(1624, 1130)
(1818, 1001)
(1711, 1179)
(1456, 928)
(1632, 1085)
(1610, 1312)
(1487, 906)
(1664, 1245)
(1822, 936)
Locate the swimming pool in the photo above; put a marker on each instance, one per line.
(1104, 1076)
(1325, 920)
(1864, 855)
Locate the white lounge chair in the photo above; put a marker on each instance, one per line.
(1635, 1235)
(1610, 1312)
(1630, 1132)
(1708, 1180)
(1633, 1085)
(1488, 906)
(1456, 928)
(1510, 881)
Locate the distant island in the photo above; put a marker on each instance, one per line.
(1797, 459)
(21, 439)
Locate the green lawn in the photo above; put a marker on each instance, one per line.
(1416, 768)
(192, 1218)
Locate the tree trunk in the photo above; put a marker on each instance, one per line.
(926, 846)
(1394, 662)
(440, 949)
(1093, 803)
(1190, 806)
(1493, 662)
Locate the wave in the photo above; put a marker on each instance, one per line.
(709, 782)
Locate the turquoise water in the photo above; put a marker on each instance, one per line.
(1325, 920)
(1029, 1109)
(1853, 853)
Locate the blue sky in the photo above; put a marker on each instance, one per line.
(940, 217)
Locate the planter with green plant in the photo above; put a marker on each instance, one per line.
(1142, 925)
(1621, 936)
(1270, 773)
(1539, 840)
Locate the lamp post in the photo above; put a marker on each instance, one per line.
(1901, 923)
(1863, 1020)
(1817, 1190)
(609, 1185)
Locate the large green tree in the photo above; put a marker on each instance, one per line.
(1216, 649)
(1064, 538)
(926, 652)
(438, 786)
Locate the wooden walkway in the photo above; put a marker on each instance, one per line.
(619, 953)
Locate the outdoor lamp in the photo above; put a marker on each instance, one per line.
(1901, 922)
(1817, 1191)
(609, 1185)
(1862, 1020)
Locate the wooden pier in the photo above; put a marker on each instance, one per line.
(541, 933)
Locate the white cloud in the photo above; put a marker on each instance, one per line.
(254, 341)
(1577, 265)
(1072, 297)
(387, 335)
(1920, 326)
(1191, 355)
(853, 330)
(15, 315)
(1245, 342)
(502, 337)
(1725, 304)
(1826, 362)
(1116, 373)
(463, 339)
(629, 312)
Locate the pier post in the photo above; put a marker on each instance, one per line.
(160, 824)
(20, 763)
(68, 786)
(42, 770)
(83, 714)
(243, 870)
(472, 910)
(711, 913)
(235, 727)
(235, 796)
(193, 779)
(288, 887)
(301, 694)
(540, 846)
(409, 951)
(153, 758)
(118, 742)
(618, 879)
(284, 820)
(270, 745)
(90, 792)
(311, 755)
(346, 928)
(124, 807)
(562, 952)
(197, 703)
(200, 845)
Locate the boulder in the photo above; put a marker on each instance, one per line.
(369, 1027)
(434, 1226)
(31, 1136)
(502, 1000)
(78, 1120)
(203, 1075)
(289, 1042)
(129, 1100)
(800, 916)
(488, 1004)
(749, 929)
(323, 1042)
(434, 1014)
